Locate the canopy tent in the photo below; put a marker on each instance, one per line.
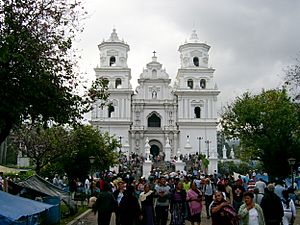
(13, 208)
(41, 185)
(37, 186)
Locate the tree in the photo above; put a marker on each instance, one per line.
(267, 125)
(38, 80)
(41, 145)
(59, 150)
(85, 141)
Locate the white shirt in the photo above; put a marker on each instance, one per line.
(261, 186)
(253, 217)
(87, 184)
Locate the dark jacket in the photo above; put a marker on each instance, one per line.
(129, 209)
(272, 207)
(105, 203)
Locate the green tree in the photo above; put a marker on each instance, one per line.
(38, 80)
(41, 145)
(86, 141)
(267, 125)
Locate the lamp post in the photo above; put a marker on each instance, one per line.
(207, 142)
(199, 139)
(292, 162)
(92, 160)
(120, 153)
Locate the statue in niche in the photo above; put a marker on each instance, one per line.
(167, 141)
(154, 94)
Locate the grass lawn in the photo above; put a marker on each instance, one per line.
(65, 220)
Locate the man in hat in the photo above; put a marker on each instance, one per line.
(271, 206)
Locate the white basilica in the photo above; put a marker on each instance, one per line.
(174, 120)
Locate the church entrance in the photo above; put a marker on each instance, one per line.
(154, 150)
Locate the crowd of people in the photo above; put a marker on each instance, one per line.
(183, 197)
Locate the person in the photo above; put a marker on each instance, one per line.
(250, 212)
(208, 189)
(92, 200)
(55, 180)
(222, 212)
(87, 189)
(162, 203)
(118, 194)
(129, 208)
(186, 183)
(228, 191)
(258, 196)
(194, 199)
(271, 206)
(261, 185)
(104, 205)
(147, 203)
(238, 191)
(279, 188)
(177, 204)
(1, 182)
(289, 209)
(251, 185)
(72, 187)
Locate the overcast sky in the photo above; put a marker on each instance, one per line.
(251, 41)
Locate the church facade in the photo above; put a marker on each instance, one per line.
(173, 119)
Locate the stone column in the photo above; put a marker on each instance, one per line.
(174, 144)
(147, 165)
(179, 165)
(213, 162)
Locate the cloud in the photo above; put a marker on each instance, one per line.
(251, 41)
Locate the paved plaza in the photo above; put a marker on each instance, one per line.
(90, 219)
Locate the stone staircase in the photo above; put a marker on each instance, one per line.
(163, 166)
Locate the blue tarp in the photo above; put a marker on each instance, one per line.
(12, 208)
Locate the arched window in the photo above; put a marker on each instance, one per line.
(196, 61)
(153, 121)
(190, 83)
(112, 61)
(118, 82)
(203, 83)
(154, 73)
(197, 112)
(111, 109)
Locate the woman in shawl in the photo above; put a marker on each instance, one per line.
(146, 200)
(177, 205)
(194, 198)
(222, 212)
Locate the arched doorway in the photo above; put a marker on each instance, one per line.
(154, 150)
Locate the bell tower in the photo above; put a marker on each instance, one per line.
(197, 94)
(115, 118)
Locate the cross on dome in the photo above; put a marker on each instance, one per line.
(114, 36)
(154, 58)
